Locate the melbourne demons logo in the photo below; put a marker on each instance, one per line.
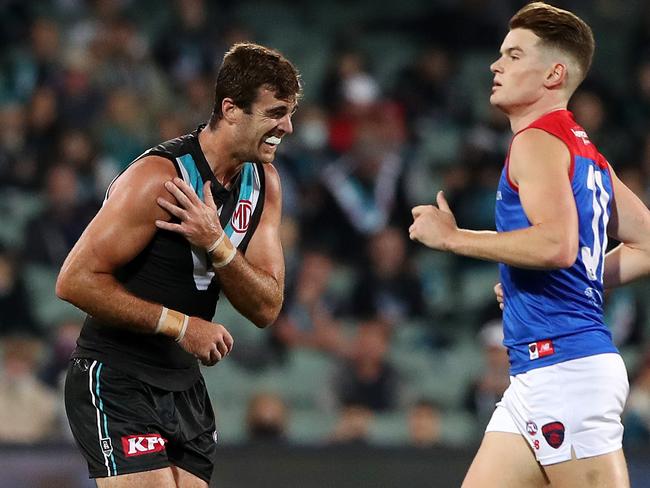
(241, 217)
(554, 434)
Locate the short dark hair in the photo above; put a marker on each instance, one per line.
(246, 67)
(559, 29)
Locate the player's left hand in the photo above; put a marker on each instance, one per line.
(199, 219)
(432, 226)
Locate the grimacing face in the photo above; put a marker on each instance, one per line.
(520, 71)
(262, 130)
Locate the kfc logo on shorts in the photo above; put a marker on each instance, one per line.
(531, 428)
(554, 434)
(540, 349)
(137, 445)
(241, 217)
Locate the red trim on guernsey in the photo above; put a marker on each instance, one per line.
(512, 184)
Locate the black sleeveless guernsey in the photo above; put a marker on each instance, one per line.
(175, 274)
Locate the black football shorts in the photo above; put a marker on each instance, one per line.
(123, 425)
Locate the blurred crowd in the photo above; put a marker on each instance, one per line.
(395, 108)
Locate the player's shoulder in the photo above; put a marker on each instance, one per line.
(145, 176)
(271, 180)
(537, 143)
(534, 152)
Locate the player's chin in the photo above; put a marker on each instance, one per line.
(266, 155)
(495, 102)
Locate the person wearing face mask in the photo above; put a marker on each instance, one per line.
(189, 218)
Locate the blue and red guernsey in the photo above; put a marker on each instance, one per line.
(552, 316)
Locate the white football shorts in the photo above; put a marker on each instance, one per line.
(575, 405)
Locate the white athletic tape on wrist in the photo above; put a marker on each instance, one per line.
(226, 260)
(182, 334)
(216, 243)
(161, 320)
(172, 324)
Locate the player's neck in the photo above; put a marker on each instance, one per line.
(217, 153)
(524, 116)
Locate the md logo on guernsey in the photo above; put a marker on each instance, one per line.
(241, 217)
(139, 444)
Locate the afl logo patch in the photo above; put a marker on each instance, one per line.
(531, 428)
(241, 217)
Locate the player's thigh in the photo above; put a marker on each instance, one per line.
(158, 478)
(604, 471)
(504, 460)
(185, 479)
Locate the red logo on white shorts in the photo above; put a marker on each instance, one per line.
(241, 217)
(540, 349)
(554, 434)
(137, 445)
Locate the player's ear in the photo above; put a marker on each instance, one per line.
(556, 76)
(229, 110)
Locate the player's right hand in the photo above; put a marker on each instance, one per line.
(209, 342)
(498, 291)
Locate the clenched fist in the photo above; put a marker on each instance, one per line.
(207, 341)
(433, 226)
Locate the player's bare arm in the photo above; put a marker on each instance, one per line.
(253, 283)
(539, 165)
(629, 224)
(119, 232)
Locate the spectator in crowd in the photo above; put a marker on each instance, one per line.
(348, 87)
(353, 425)
(487, 389)
(42, 134)
(362, 191)
(18, 167)
(267, 417)
(636, 417)
(388, 287)
(307, 319)
(424, 424)
(638, 104)
(63, 341)
(593, 109)
(426, 90)
(186, 45)
(29, 410)
(367, 379)
(51, 234)
(16, 311)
